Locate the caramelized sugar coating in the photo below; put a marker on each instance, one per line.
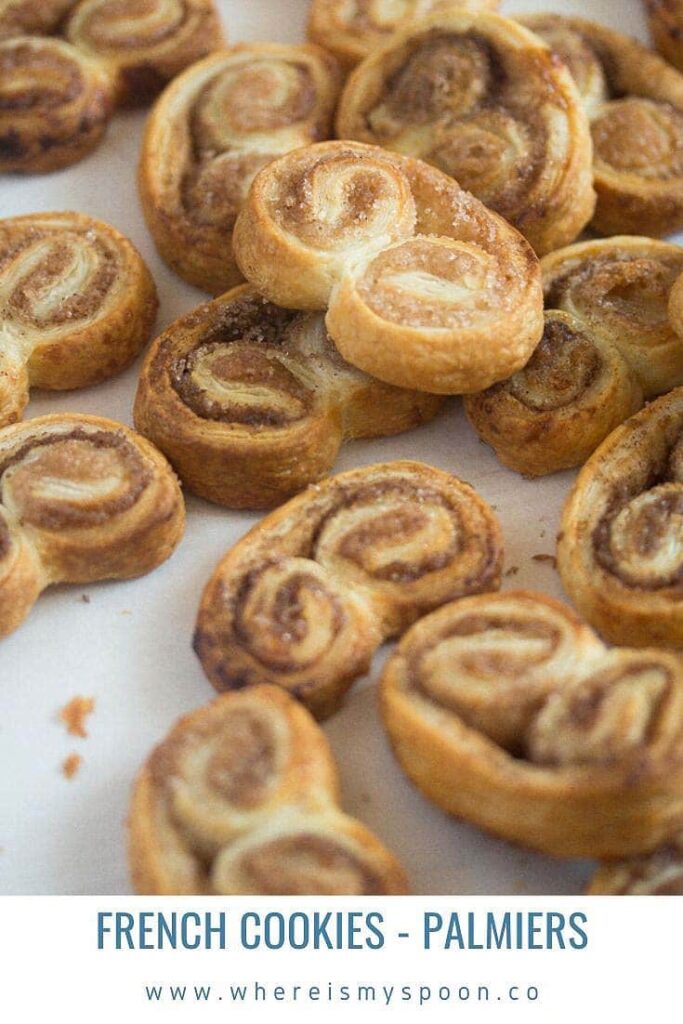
(77, 304)
(82, 499)
(55, 104)
(634, 100)
(425, 287)
(251, 402)
(553, 413)
(143, 44)
(242, 798)
(211, 131)
(621, 547)
(32, 17)
(484, 100)
(507, 711)
(307, 597)
(353, 29)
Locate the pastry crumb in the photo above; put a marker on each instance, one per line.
(546, 559)
(74, 713)
(71, 765)
(85, 598)
(512, 571)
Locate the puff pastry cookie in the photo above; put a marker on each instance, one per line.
(426, 288)
(506, 710)
(144, 45)
(656, 874)
(635, 103)
(353, 29)
(307, 597)
(485, 101)
(251, 402)
(665, 18)
(210, 132)
(81, 499)
(242, 798)
(620, 551)
(553, 413)
(77, 304)
(32, 17)
(55, 104)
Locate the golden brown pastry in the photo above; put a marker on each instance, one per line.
(55, 104)
(81, 499)
(251, 402)
(619, 289)
(210, 132)
(620, 552)
(143, 44)
(656, 874)
(485, 101)
(553, 413)
(507, 711)
(242, 798)
(353, 29)
(307, 597)
(32, 17)
(77, 304)
(634, 100)
(426, 288)
(665, 18)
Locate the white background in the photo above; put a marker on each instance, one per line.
(130, 646)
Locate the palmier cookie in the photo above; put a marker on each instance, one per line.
(620, 551)
(426, 288)
(307, 597)
(353, 30)
(81, 499)
(210, 132)
(655, 874)
(634, 100)
(251, 402)
(507, 711)
(144, 45)
(614, 332)
(32, 17)
(483, 99)
(242, 798)
(55, 104)
(77, 304)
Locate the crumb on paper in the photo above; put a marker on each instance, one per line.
(85, 598)
(74, 714)
(512, 571)
(546, 560)
(126, 611)
(71, 765)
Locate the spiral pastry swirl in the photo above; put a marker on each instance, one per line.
(81, 499)
(508, 711)
(553, 413)
(621, 546)
(657, 874)
(26, 17)
(353, 30)
(305, 600)
(77, 304)
(242, 798)
(211, 131)
(620, 289)
(483, 99)
(55, 104)
(425, 288)
(634, 100)
(143, 44)
(251, 402)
